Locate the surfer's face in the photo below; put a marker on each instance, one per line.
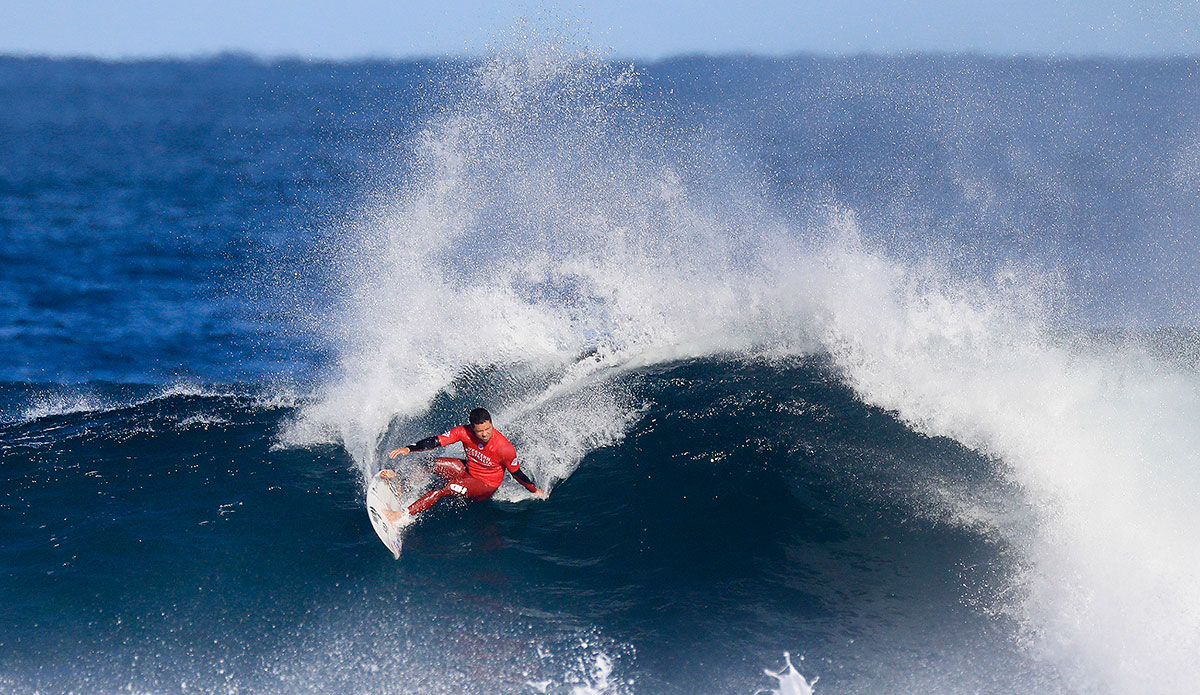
(483, 431)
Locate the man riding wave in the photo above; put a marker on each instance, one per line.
(478, 476)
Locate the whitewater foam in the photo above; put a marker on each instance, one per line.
(55, 404)
(1102, 440)
(791, 681)
(69, 400)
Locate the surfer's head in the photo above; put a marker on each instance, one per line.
(481, 424)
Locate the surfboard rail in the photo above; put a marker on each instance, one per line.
(383, 495)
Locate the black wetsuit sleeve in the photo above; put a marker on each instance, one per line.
(524, 480)
(426, 444)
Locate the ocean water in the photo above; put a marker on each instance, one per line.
(882, 367)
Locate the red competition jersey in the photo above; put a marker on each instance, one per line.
(486, 462)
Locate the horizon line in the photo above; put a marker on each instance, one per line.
(285, 57)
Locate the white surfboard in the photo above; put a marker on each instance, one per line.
(380, 496)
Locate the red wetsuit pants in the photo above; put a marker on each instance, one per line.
(459, 483)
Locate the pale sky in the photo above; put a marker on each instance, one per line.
(630, 28)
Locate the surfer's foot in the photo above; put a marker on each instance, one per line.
(400, 517)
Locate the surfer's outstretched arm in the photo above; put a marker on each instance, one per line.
(524, 480)
(424, 445)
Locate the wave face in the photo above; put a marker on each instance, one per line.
(752, 505)
(887, 362)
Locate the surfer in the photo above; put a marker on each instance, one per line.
(478, 476)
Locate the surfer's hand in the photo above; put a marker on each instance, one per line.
(387, 474)
(540, 494)
(402, 451)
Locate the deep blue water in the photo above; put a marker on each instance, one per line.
(156, 540)
(798, 344)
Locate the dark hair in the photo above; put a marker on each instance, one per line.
(480, 416)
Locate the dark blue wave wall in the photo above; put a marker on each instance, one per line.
(755, 508)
